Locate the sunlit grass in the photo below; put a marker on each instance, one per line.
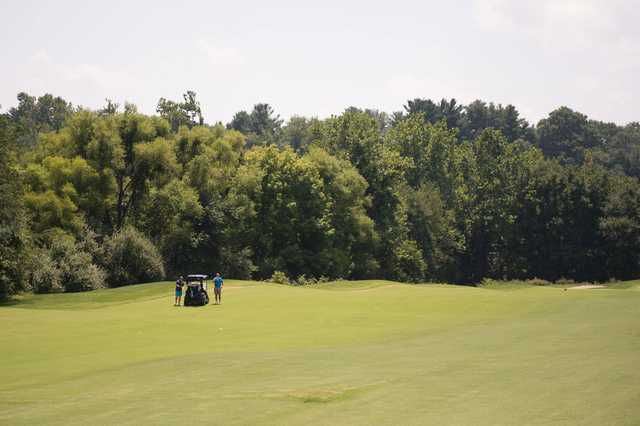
(368, 352)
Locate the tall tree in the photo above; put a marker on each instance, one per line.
(565, 135)
(186, 113)
(262, 126)
(34, 115)
(13, 232)
(448, 110)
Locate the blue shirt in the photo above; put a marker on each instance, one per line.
(217, 282)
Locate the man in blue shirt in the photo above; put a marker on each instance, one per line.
(217, 288)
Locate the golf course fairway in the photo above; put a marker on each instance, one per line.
(368, 352)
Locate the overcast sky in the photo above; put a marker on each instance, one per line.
(320, 58)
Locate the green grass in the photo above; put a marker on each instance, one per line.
(369, 352)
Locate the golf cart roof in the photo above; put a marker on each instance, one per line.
(196, 277)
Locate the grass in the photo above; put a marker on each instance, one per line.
(369, 352)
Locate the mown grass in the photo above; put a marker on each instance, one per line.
(370, 352)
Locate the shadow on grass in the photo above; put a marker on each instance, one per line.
(91, 299)
(11, 302)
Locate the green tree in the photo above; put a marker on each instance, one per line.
(350, 253)
(479, 116)
(486, 198)
(130, 258)
(186, 113)
(300, 132)
(14, 243)
(292, 223)
(262, 126)
(34, 115)
(620, 229)
(449, 111)
(355, 136)
(171, 215)
(565, 135)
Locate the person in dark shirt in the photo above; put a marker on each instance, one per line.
(179, 284)
(217, 288)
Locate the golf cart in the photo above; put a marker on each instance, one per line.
(196, 294)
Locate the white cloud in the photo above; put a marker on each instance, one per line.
(83, 83)
(43, 65)
(405, 85)
(220, 55)
(568, 24)
(599, 38)
(494, 15)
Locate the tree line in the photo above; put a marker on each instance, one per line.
(437, 192)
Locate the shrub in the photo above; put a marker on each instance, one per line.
(131, 258)
(279, 277)
(303, 280)
(64, 266)
(44, 274)
(88, 243)
(80, 274)
(489, 282)
(537, 282)
(14, 250)
(238, 264)
(409, 265)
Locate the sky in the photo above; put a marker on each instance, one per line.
(318, 58)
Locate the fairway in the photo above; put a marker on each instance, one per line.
(367, 352)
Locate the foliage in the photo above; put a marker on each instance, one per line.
(279, 277)
(262, 126)
(63, 266)
(439, 192)
(533, 282)
(45, 276)
(13, 226)
(34, 115)
(238, 263)
(186, 113)
(565, 134)
(131, 258)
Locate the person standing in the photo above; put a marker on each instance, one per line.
(179, 284)
(217, 288)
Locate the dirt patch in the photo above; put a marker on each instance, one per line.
(587, 287)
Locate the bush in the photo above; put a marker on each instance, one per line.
(79, 274)
(44, 274)
(409, 264)
(279, 277)
(537, 282)
(303, 280)
(64, 266)
(238, 264)
(130, 258)
(488, 282)
(88, 243)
